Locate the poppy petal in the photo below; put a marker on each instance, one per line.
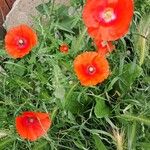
(20, 128)
(108, 20)
(32, 125)
(104, 47)
(19, 41)
(64, 48)
(91, 68)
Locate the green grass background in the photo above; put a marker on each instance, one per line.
(114, 115)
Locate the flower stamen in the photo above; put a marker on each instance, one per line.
(31, 120)
(108, 15)
(21, 42)
(91, 70)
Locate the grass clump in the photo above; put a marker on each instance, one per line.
(109, 116)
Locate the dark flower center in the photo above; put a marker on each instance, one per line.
(22, 43)
(31, 120)
(91, 69)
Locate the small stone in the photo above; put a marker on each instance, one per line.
(23, 12)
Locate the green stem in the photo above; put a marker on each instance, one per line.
(134, 118)
(143, 47)
(83, 33)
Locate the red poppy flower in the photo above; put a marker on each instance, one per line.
(64, 48)
(104, 47)
(20, 40)
(91, 68)
(32, 125)
(108, 20)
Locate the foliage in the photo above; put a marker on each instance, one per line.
(112, 115)
(143, 6)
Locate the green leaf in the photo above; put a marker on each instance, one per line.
(145, 146)
(44, 94)
(5, 142)
(146, 79)
(132, 131)
(101, 109)
(72, 104)
(113, 81)
(40, 146)
(58, 86)
(141, 39)
(130, 73)
(44, 7)
(79, 144)
(98, 143)
(64, 28)
(132, 118)
(59, 92)
(17, 68)
(22, 83)
(62, 12)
